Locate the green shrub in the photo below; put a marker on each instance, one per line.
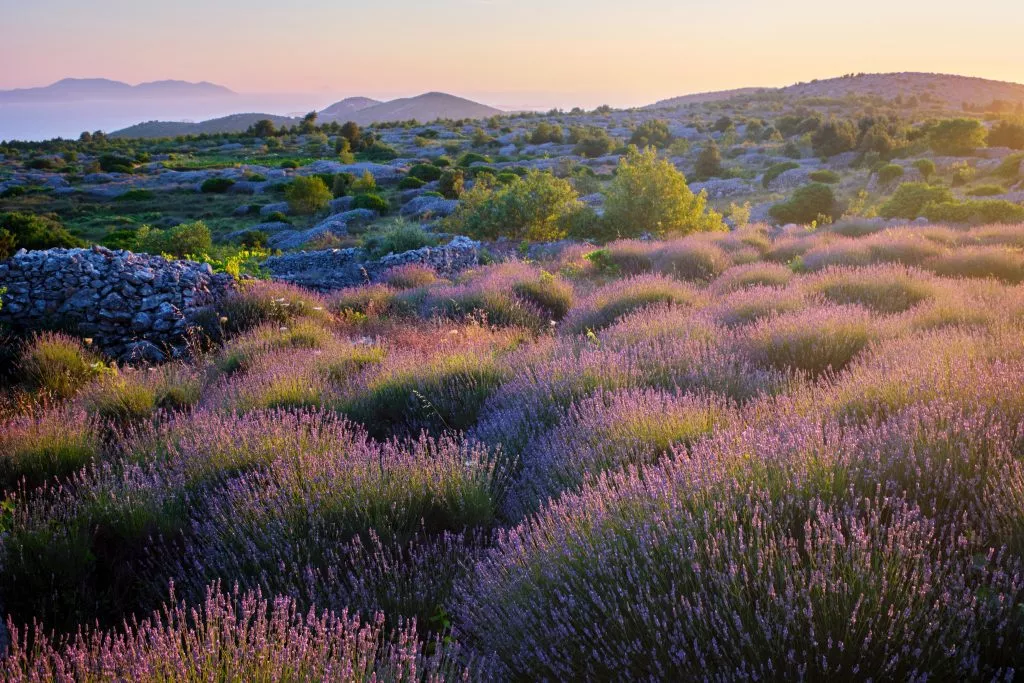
(399, 238)
(1009, 168)
(187, 239)
(470, 158)
(308, 195)
(379, 151)
(116, 163)
(888, 173)
(649, 195)
(254, 239)
(963, 173)
(777, 170)
(910, 199)
(425, 172)
(410, 183)
(373, 202)
(986, 191)
(452, 183)
(975, 211)
(709, 161)
(835, 137)
(534, 208)
(288, 163)
(591, 141)
(652, 133)
(137, 195)
(546, 132)
(1007, 134)
(956, 137)
(342, 183)
(32, 231)
(926, 167)
(824, 176)
(216, 185)
(808, 204)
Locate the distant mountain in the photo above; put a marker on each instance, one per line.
(362, 110)
(426, 107)
(235, 123)
(950, 90)
(701, 97)
(345, 109)
(93, 89)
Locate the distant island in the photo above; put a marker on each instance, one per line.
(99, 89)
(362, 110)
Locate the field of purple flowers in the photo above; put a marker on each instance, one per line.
(734, 456)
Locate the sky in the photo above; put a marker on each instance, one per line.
(513, 53)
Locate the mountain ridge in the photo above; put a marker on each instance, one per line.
(90, 89)
(426, 107)
(951, 89)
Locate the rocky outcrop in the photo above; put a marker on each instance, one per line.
(331, 269)
(128, 304)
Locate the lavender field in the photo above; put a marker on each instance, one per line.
(765, 454)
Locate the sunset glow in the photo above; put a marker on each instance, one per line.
(526, 52)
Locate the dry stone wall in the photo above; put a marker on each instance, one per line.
(133, 305)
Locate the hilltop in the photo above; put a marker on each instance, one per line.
(345, 109)
(91, 89)
(950, 90)
(362, 110)
(234, 123)
(426, 107)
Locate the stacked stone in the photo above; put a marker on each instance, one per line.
(130, 304)
(330, 269)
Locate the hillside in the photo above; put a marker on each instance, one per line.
(347, 108)
(235, 123)
(950, 90)
(362, 110)
(91, 89)
(426, 107)
(700, 98)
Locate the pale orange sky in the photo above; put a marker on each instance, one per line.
(513, 52)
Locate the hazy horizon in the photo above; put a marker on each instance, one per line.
(568, 53)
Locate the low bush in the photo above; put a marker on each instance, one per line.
(425, 172)
(986, 191)
(974, 212)
(649, 195)
(308, 195)
(808, 204)
(888, 174)
(980, 262)
(187, 239)
(910, 199)
(691, 259)
(777, 170)
(216, 185)
(609, 303)
(32, 231)
(816, 341)
(373, 202)
(57, 365)
(824, 176)
(884, 289)
(452, 183)
(410, 183)
(52, 444)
